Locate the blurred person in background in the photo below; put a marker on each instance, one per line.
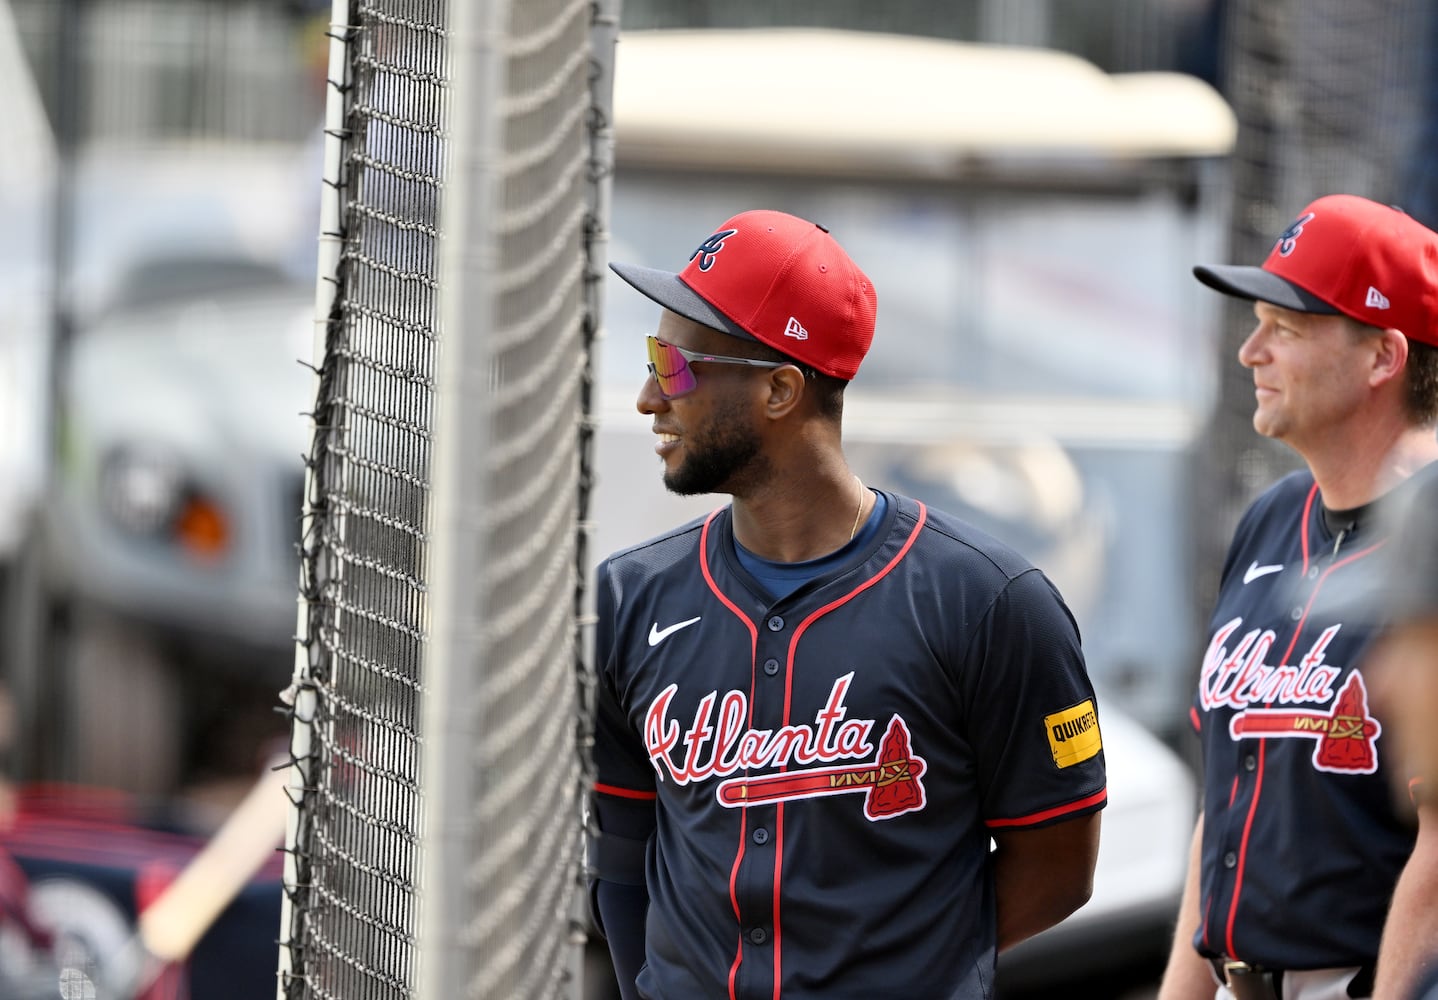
(1403, 665)
(1306, 881)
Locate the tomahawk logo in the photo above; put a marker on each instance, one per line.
(890, 782)
(706, 250)
(1288, 239)
(718, 745)
(1345, 736)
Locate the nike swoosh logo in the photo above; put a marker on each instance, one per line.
(1255, 571)
(658, 635)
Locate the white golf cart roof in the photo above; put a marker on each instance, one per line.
(862, 103)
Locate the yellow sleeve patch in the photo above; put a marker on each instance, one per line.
(1073, 734)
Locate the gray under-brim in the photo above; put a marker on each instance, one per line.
(1252, 283)
(665, 288)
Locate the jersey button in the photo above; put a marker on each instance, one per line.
(776, 624)
(1250, 762)
(1296, 614)
(771, 666)
(761, 836)
(1230, 860)
(758, 935)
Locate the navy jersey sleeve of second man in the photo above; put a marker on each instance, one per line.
(806, 788)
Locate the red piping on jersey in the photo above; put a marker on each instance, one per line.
(1099, 796)
(1207, 908)
(743, 813)
(623, 793)
(1263, 743)
(1303, 529)
(788, 701)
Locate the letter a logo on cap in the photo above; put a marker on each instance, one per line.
(706, 250)
(1288, 239)
(1376, 299)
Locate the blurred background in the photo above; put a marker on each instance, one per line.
(159, 199)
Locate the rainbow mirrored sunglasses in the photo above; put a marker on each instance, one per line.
(670, 366)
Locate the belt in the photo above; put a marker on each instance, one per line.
(1253, 982)
(1248, 982)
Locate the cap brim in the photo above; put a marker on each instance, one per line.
(665, 288)
(1265, 286)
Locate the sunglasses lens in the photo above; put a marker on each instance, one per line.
(671, 370)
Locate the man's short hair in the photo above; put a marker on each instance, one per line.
(1423, 383)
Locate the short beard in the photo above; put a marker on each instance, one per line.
(716, 460)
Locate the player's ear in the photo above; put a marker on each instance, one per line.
(1390, 356)
(787, 388)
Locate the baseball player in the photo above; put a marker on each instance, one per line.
(1300, 855)
(817, 705)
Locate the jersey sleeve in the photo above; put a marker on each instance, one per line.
(1031, 711)
(624, 787)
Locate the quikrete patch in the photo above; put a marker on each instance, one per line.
(1073, 734)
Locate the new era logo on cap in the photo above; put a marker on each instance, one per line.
(1349, 255)
(796, 330)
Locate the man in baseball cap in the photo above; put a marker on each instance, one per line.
(1306, 879)
(1349, 256)
(816, 706)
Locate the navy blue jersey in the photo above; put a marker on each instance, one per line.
(1427, 987)
(819, 775)
(1302, 844)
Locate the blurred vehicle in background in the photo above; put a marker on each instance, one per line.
(1041, 361)
(27, 179)
(157, 580)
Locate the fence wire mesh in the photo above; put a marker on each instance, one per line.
(352, 922)
(503, 842)
(370, 653)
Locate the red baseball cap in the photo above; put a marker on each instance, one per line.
(1351, 256)
(775, 278)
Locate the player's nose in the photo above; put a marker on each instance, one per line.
(650, 400)
(1250, 352)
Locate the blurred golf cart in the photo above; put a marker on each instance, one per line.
(1041, 362)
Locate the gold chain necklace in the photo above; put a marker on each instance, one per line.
(859, 509)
